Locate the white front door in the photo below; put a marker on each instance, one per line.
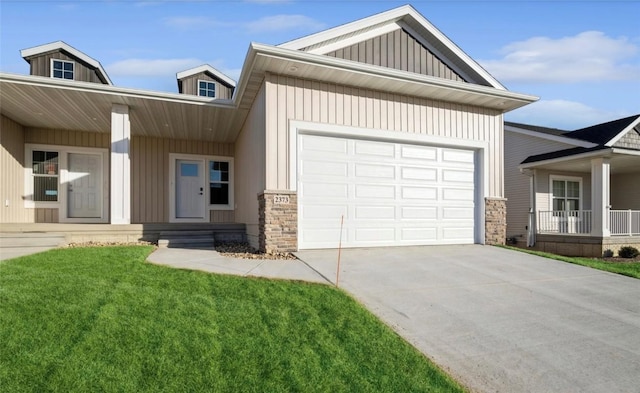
(190, 195)
(84, 188)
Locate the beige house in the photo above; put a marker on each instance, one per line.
(381, 130)
(574, 193)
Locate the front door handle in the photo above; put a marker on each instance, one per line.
(201, 190)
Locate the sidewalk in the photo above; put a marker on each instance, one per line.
(211, 261)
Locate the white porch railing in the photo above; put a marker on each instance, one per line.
(564, 222)
(624, 222)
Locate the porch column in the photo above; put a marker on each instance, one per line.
(600, 171)
(120, 165)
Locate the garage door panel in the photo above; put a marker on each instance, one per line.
(420, 153)
(375, 171)
(375, 213)
(375, 191)
(424, 193)
(387, 193)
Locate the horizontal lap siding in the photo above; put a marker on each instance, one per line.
(517, 148)
(296, 99)
(12, 173)
(150, 175)
(398, 50)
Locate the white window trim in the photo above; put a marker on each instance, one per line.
(63, 61)
(63, 177)
(565, 178)
(173, 158)
(215, 88)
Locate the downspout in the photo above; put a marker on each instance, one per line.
(531, 224)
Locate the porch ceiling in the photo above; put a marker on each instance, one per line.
(620, 162)
(43, 102)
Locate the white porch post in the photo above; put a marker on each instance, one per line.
(120, 165)
(600, 171)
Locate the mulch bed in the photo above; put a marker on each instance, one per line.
(245, 251)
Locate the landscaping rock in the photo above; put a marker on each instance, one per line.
(245, 251)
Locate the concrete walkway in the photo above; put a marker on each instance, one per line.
(500, 320)
(211, 261)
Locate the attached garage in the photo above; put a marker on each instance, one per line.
(388, 193)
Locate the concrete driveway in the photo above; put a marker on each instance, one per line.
(500, 320)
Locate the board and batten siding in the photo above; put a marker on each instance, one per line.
(12, 173)
(48, 136)
(625, 191)
(296, 99)
(150, 175)
(517, 147)
(41, 66)
(398, 50)
(249, 168)
(190, 86)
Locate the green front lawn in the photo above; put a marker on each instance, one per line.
(631, 269)
(101, 319)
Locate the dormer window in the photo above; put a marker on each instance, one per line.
(206, 89)
(62, 69)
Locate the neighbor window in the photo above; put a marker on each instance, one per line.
(62, 69)
(206, 89)
(45, 175)
(566, 194)
(219, 182)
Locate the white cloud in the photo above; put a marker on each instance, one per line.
(563, 114)
(588, 56)
(283, 22)
(150, 67)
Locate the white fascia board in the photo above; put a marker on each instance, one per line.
(624, 132)
(384, 29)
(278, 53)
(206, 68)
(113, 90)
(349, 28)
(555, 138)
(61, 45)
(627, 152)
(597, 153)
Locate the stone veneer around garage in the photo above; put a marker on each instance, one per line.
(495, 220)
(278, 221)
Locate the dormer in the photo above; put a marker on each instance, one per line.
(205, 81)
(61, 61)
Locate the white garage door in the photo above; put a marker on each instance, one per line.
(390, 194)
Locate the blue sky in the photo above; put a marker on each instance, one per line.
(581, 57)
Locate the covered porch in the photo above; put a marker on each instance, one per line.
(585, 204)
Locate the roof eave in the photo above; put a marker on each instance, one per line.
(622, 133)
(555, 138)
(206, 68)
(596, 153)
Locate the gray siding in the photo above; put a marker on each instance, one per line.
(517, 147)
(400, 51)
(631, 140)
(189, 85)
(625, 191)
(48, 136)
(150, 179)
(83, 72)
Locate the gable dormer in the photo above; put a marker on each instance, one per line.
(205, 81)
(401, 39)
(62, 61)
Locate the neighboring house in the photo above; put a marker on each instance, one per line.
(381, 129)
(574, 192)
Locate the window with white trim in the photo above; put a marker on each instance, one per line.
(565, 194)
(62, 69)
(206, 89)
(45, 175)
(219, 186)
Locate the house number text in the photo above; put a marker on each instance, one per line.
(280, 199)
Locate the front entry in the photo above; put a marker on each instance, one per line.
(84, 188)
(190, 193)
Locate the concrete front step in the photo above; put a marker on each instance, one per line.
(186, 239)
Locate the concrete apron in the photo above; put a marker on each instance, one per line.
(500, 320)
